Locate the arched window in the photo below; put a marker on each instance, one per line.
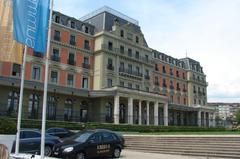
(68, 110)
(12, 103)
(33, 105)
(51, 109)
(109, 112)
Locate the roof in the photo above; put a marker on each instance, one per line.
(109, 10)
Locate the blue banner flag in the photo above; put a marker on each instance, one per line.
(30, 23)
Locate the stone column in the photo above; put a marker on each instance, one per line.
(116, 109)
(199, 118)
(182, 118)
(156, 113)
(140, 113)
(148, 115)
(205, 119)
(165, 114)
(130, 110)
(214, 119)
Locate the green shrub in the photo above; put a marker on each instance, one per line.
(7, 126)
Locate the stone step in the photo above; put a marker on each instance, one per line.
(225, 156)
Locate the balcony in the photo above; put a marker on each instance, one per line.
(130, 72)
(110, 67)
(56, 38)
(147, 77)
(71, 62)
(87, 47)
(85, 65)
(72, 42)
(55, 58)
(38, 54)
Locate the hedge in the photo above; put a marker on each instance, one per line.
(10, 126)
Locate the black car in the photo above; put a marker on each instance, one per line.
(60, 132)
(90, 143)
(30, 142)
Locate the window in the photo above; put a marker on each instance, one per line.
(184, 88)
(57, 19)
(129, 68)
(85, 83)
(12, 103)
(72, 40)
(54, 77)
(137, 55)
(130, 52)
(164, 83)
(107, 137)
(137, 39)
(147, 74)
(195, 101)
(178, 87)
(72, 24)
(68, 110)
(86, 45)
(71, 59)
(110, 45)
(171, 99)
(121, 68)
(16, 70)
(109, 112)
(184, 101)
(37, 54)
(138, 71)
(31, 134)
(178, 100)
(33, 105)
(147, 89)
(156, 67)
(171, 85)
(122, 49)
(86, 29)
(199, 102)
(56, 35)
(137, 87)
(164, 69)
(146, 58)
(183, 75)
(177, 73)
(51, 108)
(122, 33)
(194, 89)
(36, 73)
(109, 83)
(86, 62)
(110, 65)
(121, 83)
(70, 79)
(129, 85)
(171, 71)
(156, 81)
(55, 55)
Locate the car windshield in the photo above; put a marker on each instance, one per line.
(82, 137)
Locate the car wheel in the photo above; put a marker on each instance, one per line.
(116, 152)
(47, 151)
(80, 155)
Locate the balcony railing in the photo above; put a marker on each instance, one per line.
(147, 77)
(71, 62)
(130, 72)
(55, 58)
(57, 38)
(72, 42)
(110, 67)
(118, 51)
(85, 65)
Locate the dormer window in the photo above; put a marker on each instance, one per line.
(72, 24)
(86, 30)
(57, 19)
(137, 39)
(122, 33)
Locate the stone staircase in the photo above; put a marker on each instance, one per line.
(226, 146)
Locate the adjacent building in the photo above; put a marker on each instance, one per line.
(102, 70)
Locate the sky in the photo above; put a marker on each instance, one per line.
(205, 30)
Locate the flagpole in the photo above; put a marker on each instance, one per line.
(20, 101)
(46, 84)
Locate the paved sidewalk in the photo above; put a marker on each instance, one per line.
(127, 154)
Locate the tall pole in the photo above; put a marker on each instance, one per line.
(46, 84)
(20, 101)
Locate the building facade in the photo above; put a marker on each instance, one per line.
(102, 70)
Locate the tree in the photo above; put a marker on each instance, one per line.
(238, 115)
